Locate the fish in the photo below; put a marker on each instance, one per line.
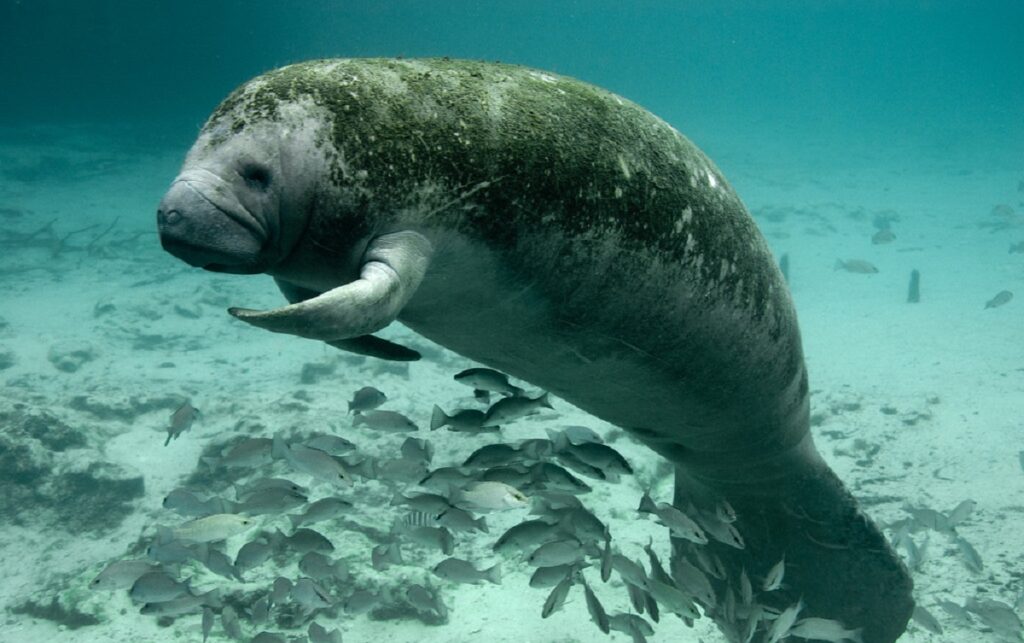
(925, 619)
(360, 601)
(597, 455)
(385, 421)
(445, 478)
(310, 595)
(122, 574)
(773, 579)
(972, 559)
(723, 532)
(242, 491)
(187, 503)
(248, 452)
(998, 616)
(647, 504)
(606, 560)
(229, 621)
(961, 512)
(426, 600)
(320, 567)
(330, 444)
(186, 604)
(434, 537)
(384, 555)
(279, 591)
(671, 599)
(319, 634)
(824, 629)
(172, 552)
(679, 524)
(576, 434)
(558, 552)
(785, 621)
(551, 476)
(269, 637)
(556, 599)
(486, 379)
(218, 562)
(457, 519)
(207, 623)
(631, 572)
(271, 501)
(885, 235)
(551, 576)
(489, 496)
(312, 462)
(512, 408)
(302, 540)
(321, 510)
(366, 399)
(461, 421)
(597, 612)
(417, 450)
(492, 455)
(259, 611)
(1002, 297)
(462, 571)
(210, 528)
(583, 525)
(429, 503)
(856, 265)
(693, 581)
(251, 555)
(958, 612)
(156, 587)
(631, 624)
(527, 535)
(181, 421)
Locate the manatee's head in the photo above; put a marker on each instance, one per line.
(242, 199)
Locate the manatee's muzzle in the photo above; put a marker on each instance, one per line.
(203, 228)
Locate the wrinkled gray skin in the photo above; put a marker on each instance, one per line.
(559, 233)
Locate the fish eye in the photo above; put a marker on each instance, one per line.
(256, 176)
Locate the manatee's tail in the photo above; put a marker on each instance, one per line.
(836, 560)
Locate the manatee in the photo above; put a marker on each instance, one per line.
(562, 234)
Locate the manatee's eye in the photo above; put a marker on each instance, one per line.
(256, 176)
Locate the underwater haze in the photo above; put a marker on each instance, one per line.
(168, 472)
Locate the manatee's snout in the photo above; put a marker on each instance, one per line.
(199, 231)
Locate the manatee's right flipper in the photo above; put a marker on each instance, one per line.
(376, 347)
(836, 560)
(392, 268)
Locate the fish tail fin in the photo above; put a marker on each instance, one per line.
(164, 535)
(494, 574)
(516, 391)
(210, 461)
(278, 447)
(296, 520)
(169, 434)
(211, 598)
(438, 418)
(647, 505)
(481, 524)
(544, 401)
(560, 440)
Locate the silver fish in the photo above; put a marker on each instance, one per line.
(249, 452)
(434, 537)
(319, 634)
(508, 409)
(386, 421)
(366, 399)
(122, 574)
(680, 524)
(457, 519)
(997, 615)
(462, 571)
(156, 587)
(207, 623)
(559, 552)
(310, 595)
(323, 509)
(330, 444)
(781, 626)
(773, 579)
(629, 623)
(925, 619)
(527, 535)
(693, 581)
(384, 555)
(320, 567)
(271, 501)
(486, 379)
(551, 576)
(556, 599)
(229, 621)
(187, 503)
(597, 612)
(1002, 297)
(242, 491)
(252, 555)
(212, 528)
(824, 629)
(303, 540)
(961, 512)
(972, 559)
(461, 421)
(417, 450)
(856, 265)
(186, 604)
(631, 572)
(671, 599)
(181, 421)
(312, 462)
(489, 496)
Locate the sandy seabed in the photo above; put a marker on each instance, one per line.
(914, 404)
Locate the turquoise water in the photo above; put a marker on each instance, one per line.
(885, 136)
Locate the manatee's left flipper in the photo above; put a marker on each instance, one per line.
(371, 346)
(393, 267)
(367, 345)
